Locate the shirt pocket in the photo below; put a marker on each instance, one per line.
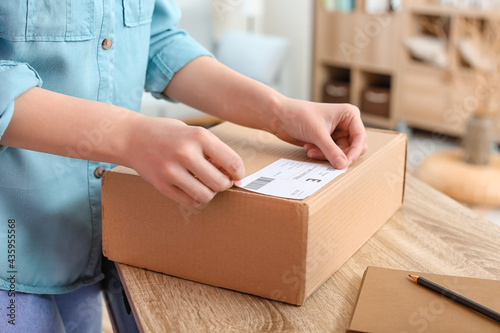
(47, 20)
(137, 12)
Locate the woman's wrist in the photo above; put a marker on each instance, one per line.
(275, 113)
(130, 127)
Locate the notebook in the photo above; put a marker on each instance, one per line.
(389, 301)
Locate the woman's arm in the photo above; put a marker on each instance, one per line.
(177, 159)
(187, 164)
(327, 131)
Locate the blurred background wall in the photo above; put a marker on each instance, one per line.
(209, 21)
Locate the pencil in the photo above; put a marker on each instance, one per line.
(456, 297)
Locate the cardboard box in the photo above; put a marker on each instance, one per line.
(272, 247)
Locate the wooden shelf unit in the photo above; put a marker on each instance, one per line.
(361, 44)
(440, 99)
(421, 94)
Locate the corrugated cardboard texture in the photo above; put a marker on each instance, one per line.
(343, 217)
(389, 301)
(272, 247)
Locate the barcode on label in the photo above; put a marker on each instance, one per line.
(258, 183)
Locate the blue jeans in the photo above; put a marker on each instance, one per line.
(76, 311)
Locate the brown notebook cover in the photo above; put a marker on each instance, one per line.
(389, 301)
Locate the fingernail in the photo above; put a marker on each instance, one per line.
(349, 162)
(340, 162)
(313, 155)
(238, 182)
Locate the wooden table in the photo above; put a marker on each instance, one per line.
(431, 233)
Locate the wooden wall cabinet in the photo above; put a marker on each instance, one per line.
(368, 50)
(357, 48)
(433, 98)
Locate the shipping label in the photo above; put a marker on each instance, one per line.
(290, 179)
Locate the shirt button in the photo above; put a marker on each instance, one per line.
(107, 43)
(98, 172)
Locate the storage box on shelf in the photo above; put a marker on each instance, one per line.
(337, 87)
(375, 95)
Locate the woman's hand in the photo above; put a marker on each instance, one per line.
(187, 164)
(333, 132)
(326, 131)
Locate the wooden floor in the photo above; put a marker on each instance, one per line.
(422, 144)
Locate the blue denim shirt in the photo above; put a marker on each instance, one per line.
(55, 201)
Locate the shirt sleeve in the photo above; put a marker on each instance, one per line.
(170, 48)
(15, 79)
